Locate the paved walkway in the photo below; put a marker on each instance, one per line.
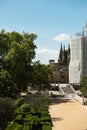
(70, 115)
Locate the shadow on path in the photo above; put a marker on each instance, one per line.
(57, 119)
(59, 100)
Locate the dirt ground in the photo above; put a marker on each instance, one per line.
(70, 115)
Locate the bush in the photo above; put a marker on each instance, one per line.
(47, 127)
(17, 111)
(6, 111)
(44, 112)
(19, 102)
(45, 118)
(26, 127)
(25, 107)
(28, 117)
(35, 123)
(14, 126)
(19, 117)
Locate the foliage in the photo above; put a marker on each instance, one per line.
(41, 76)
(16, 54)
(21, 106)
(38, 101)
(35, 123)
(26, 127)
(7, 87)
(47, 127)
(32, 111)
(6, 111)
(28, 117)
(25, 107)
(17, 71)
(19, 102)
(19, 117)
(14, 126)
(4, 43)
(84, 86)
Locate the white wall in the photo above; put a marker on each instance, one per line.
(85, 57)
(78, 57)
(75, 67)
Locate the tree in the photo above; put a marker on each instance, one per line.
(6, 111)
(16, 54)
(16, 59)
(4, 43)
(7, 87)
(41, 76)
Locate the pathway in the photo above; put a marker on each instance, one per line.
(70, 115)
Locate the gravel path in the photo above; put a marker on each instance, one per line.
(70, 115)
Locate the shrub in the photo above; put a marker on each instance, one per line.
(44, 113)
(25, 107)
(17, 111)
(35, 123)
(14, 126)
(26, 127)
(19, 117)
(19, 102)
(45, 118)
(28, 117)
(6, 111)
(47, 127)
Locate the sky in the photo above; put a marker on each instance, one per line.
(53, 21)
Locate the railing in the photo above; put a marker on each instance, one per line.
(72, 89)
(66, 89)
(70, 93)
(78, 98)
(60, 89)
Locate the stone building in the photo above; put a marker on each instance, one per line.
(60, 70)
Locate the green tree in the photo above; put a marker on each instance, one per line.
(41, 76)
(7, 87)
(4, 43)
(16, 54)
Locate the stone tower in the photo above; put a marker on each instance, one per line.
(60, 70)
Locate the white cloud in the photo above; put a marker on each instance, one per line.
(46, 51)
(44, 54)
(62, 37)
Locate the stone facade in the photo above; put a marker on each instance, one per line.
(60, 70)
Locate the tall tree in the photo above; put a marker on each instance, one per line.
(4, 43)
(17, 59)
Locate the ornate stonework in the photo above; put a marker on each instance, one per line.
(60, 70)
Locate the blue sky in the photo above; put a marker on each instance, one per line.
(54, 21)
